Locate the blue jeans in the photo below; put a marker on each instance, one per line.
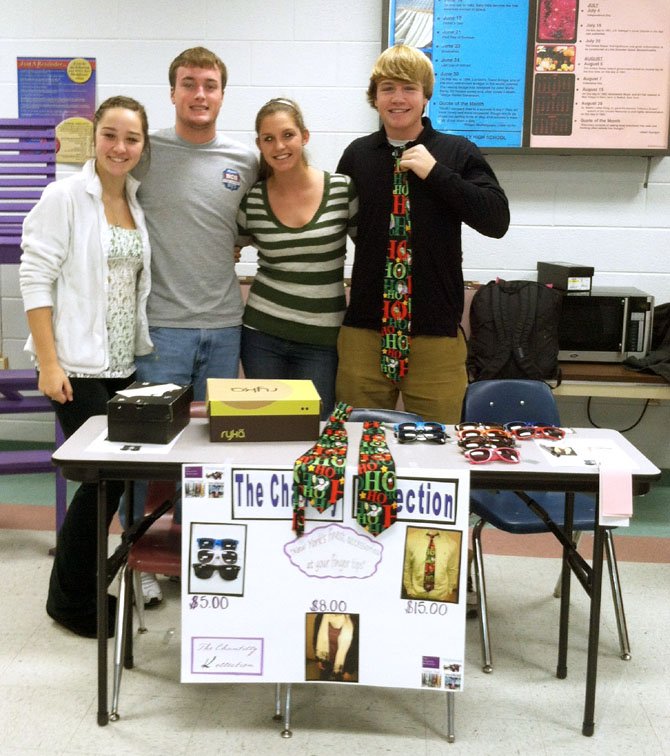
(191, 355)
(265, 356)
(185, 356)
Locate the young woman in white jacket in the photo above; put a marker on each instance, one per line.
(85, 278)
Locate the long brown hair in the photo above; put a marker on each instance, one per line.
(278, 105)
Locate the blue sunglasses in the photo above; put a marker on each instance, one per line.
(217, 543)
(420, 431)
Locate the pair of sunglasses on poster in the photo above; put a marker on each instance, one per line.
(206, 556)
(420, 431)
(221, 549)
(217, 543)
(226, 571)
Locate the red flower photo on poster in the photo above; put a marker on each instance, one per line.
(557, 20)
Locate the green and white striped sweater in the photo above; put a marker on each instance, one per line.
(298, 291)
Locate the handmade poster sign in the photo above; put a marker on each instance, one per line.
(261, 603)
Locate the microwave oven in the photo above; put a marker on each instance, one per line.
(606, 325)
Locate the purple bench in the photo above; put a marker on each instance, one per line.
(27, 165)
(13, 384)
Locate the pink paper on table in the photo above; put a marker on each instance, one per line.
(616, 491)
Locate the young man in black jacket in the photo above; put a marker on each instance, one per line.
(416, 187)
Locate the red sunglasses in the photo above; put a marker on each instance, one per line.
(485, 454)
(526, 431)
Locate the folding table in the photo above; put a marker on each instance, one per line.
(80, 458)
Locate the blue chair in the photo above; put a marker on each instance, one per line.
(503, 401)
(361, 414)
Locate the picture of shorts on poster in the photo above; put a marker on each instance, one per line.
(431, 564)
(331, 647)
(217, 556)
(195, 489)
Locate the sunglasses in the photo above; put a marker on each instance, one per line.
(478, 426)
(217, 543)
(487, 442)
(503, 454)
(205, 556)
(484, 433)
(428, 431)
(525, 431)
(227, 571)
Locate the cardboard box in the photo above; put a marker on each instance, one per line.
(148, 414)
(565, 276)
(246, 409)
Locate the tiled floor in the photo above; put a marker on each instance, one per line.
(48, 676)
(48, 681)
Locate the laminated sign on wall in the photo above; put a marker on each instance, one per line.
(335, 604)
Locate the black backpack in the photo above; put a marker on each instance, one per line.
(514, 331)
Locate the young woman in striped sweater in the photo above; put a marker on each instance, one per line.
(298, 218)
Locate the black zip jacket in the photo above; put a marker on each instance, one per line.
(461, 188)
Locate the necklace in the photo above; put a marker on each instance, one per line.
(117, 211)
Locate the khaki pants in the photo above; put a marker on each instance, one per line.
(433, 387)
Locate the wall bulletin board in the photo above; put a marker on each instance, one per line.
(547, 76)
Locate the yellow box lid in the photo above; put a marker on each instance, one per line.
(249, 396)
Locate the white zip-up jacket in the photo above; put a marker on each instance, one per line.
(66, 241)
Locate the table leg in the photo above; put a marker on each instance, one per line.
(451, 705)
(594, 629)
(568, 519)
(287, 732)
(129, 500)
(277, 715)
(103, 713)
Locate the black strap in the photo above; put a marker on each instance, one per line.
(579, 565)
(493, 368)
(525, 323)
(132, 535)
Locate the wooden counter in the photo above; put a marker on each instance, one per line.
(610, 380)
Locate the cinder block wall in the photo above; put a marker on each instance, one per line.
(600, 211)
